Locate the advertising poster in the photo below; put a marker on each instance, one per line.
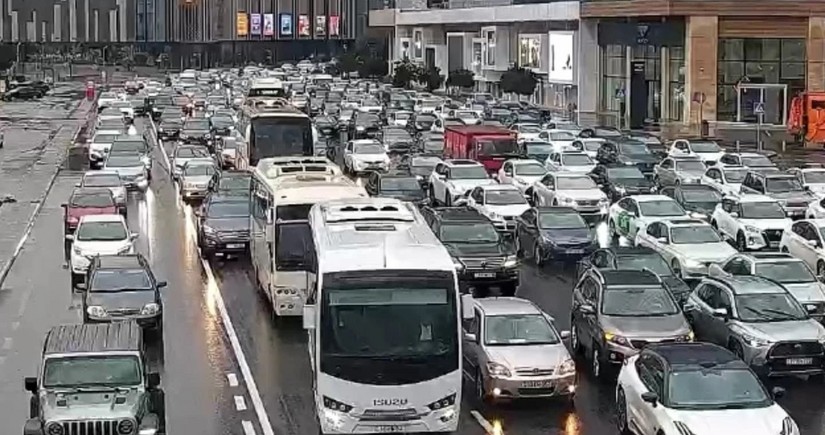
(255, 24)
(561, 58)
(334, 25)
(241, 24)
(269, 24)
(286, 24)
(320, 25)
(303, 25)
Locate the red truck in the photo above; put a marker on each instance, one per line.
(489, 145)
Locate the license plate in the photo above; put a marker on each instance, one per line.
(390, 428)
(575, 251)
(535, 384)
(799, 361)
(485, 275)
(234, 246)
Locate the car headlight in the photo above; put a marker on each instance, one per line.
(617, 339)
(752, 229)
(498, 370)
(160, 129)
(54, 428)
(789, 427)
(125, 250)
(604, 202)
(150, 309)
(495, 216)
(566, 200)
(511, 261)
(687, 337)
(336, 405)
(208, 230)
(360, 128)
(697, 215)
(692, 263)
(126, 427)
(442, 403)
(458, 264)
(96, 311)
(754, 341)
(567, 367)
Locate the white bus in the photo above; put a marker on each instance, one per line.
(267, 87)
(283, 190)
(275, 130)
(384, 319)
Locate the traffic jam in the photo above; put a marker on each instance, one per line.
(456, 264)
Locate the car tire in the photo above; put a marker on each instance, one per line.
(517, 242)
(480, 394)
(621, 412)
(448, 199)
(158, 404)
(34, 406)
(611, 231)
(820, 268)
(677, 268)
(76, 279)
(575, 343)
(538, 255)
(741, 243)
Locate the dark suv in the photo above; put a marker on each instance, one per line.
(785, 188)
(123, 287)
(223, 225)
(482, 256)
(618, 181)
(628, 152)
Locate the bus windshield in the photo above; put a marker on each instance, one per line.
(422, 343)
(280, 136)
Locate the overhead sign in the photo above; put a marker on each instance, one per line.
(303, 25)
(286, 25)
(255, 24)
(241, 24)
(334, 26)
(269, 24)
(759, 108)
(560, 69)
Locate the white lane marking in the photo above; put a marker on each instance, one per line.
(240, 403)
(248, 428)
(232, 379)
(483, 422)
(7, 343)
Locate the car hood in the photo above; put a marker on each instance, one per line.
(87, 211)
(370, 157)
(240, 223)
(792, 330)
(700, 207)
(768, 224)
(477, 249)
(581, 194)
(127, 171)
(705, 252)
(404, 195)
(646, 327)
(757, 421)
(691, 174)
(508, 210)
(568, 236)
(632, 183)
(807, 291)
(540, 356)
(638, 158)
(462, 186)
(113, 301)
(95, 247)
(579, 169)
(797, 196)
(529, 179)
(90, 405)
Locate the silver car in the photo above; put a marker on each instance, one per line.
(109, 179)
(130, 168)
(196, 177)
(760, 321)
(513, 350)
(673, 171)
(184, 153)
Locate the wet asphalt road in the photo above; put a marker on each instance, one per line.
(198, 365)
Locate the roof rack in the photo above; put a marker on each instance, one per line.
(368, 209)
(275, 167)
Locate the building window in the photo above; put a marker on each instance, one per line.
(490, 58)
(614, 78)
(651, 55)
(418, 44)
(529, 48)
(676, 87)
(754, 60)
(477, 57)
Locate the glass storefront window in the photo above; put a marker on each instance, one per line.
(529, 48)
(477, 57)
(676, 88)
(614, 79)
(491, 48)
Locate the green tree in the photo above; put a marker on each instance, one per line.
(404, 73)
(430, 78)
(518, 80)
(373, 67)
(349, 62)
(460, 78)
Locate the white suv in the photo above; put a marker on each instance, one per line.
(102, 234)
(751, 221)
(452, 179)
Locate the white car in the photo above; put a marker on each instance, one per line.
(706, 150)
(125, 108)
(363, 155)
(562, 140)
(371, 106)
(750, 221)
(564, 189)
(804, 240)
(632, 213)
(468, 117)
(400, 118)
(813, 179)
(183, 153)
(816, 210)
(501, 203)
(106, 99)
(690, 246)
(452, 179)
(695, 389)
(589, 146)
(110, 179)
(526, 131)
(99, 147)
(726, 179)
(570, 162)
(101, 234)
(521, 173)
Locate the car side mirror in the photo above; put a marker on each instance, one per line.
(716, 270)
(564, 335)
(162, 284)
(722, 313)
(470, 337)
(133, 236)
(734, 214)
(650, 397)
(30, 384)
(587, 309)
(153, 380)
(76, 185)
(70, 237)
(64, 205)
(778, 392)
(662, 240)
(308, 317)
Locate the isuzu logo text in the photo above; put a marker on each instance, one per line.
(389, 402)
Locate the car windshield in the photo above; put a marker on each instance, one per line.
(468, 173)
(424, 119)
(558, 221)
(96, 371)
(762, 210)
(92, 199)
(401, 116)
(783, 185)
(690, 166)
(814, 177)
(367, 119)
(575, 183)
(529, 169)
(633, 149)
(660, 208)
(235, 183)
(592, 145)
(694, 234)
(466, 114)
(434, 145)
(465, 232)
(624, 172)
(529, 129)
(370, 148)
(222, 209)
(701, 195)
(654, 262)
(120, 280)
(102, 180)
(168, 122)
(504, 197)
(191, 152)
(641, 301)
(199, 170)
(705, 147)
(756, 161)
(196, 124)
(715, 389)
(518, 329)
(786, 272)
(101, 231)
(561, 135)
(400, 184)
(539, 148)
(736, 176)
(104, 138)
(576, 160)
(769, 307)
(425, 162)
(123, 161)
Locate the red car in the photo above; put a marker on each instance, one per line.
(87, 201)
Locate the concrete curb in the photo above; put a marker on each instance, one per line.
(4, 273)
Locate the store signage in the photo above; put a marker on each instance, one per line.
(286, 24)
(255, 26)
(334, 25)
(560, 68)
(303, 25)
(241, 24)
(320, 25)
(269, 24)
(669, 33)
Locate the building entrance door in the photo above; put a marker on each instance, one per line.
(772, 97)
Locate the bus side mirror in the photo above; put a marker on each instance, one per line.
(467, 312)
(309, 317)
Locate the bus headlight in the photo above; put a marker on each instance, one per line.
(442, 403)
(335, 405)
(97, 311)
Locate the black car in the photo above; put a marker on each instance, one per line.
(23, 93)
(420, 166)
(223, 225)
(365, 125)
(420, 122)
(123, 287)
(327, 126)
(699, 200)
(222, 125)
(170, 127)
(636, 258)
(398, 184)
(197, 131)
(553, 233)
(233, 183)
(397, 140)
(618, 181)
(483, 257)
(628, 152)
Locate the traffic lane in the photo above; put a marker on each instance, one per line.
(276, 349)
(205, 392)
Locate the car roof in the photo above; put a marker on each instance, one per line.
(102, 218)
(684, 222)
(750, 284)
(769, 257)
(695, 354)
(462, 162)
(650, 198)
(93, 338)
(752, 197)
(496, 306)
(459, 214)
(123, 261)
(622, 277)
(90, 190)
(499, 187)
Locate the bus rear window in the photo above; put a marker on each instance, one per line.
(297, 212)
